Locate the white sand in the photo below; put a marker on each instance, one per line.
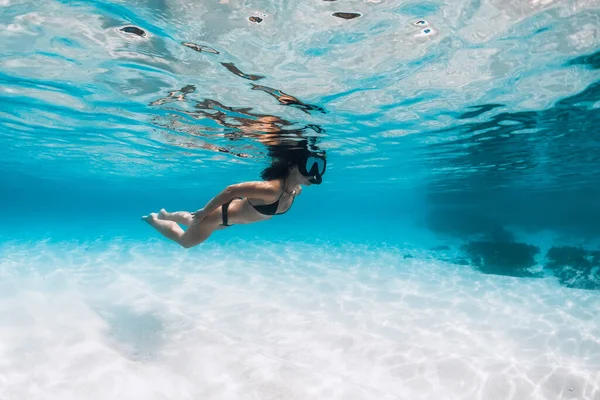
(275, 321)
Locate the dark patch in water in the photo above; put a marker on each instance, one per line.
(200, 48)
(567, 255)
(502, 258)
(256, 20)
(408, 256)
(133, 30)
(288, 100)
(346, 15)
(440, 248)
(574, 266)
(235, 70)
(591, 60)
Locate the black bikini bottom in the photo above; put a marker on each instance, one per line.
(224, 209)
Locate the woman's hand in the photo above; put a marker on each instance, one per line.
(199, 215)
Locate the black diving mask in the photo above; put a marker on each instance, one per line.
(314, 168)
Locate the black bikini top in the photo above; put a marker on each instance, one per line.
(271, 209)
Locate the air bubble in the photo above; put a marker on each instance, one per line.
(426, 32)
(421, 22)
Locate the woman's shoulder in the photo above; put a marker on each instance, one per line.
(275, 183)
(265, 190)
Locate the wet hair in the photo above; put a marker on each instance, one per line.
(278, 169)
(284, 157)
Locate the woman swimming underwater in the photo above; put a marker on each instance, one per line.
(243, 203)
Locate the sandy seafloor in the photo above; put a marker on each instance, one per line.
(128, 319)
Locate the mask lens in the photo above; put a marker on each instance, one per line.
(315, 165)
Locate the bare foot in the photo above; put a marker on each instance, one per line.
(162, 214)
(150, 218)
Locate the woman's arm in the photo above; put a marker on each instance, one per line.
(256, 190)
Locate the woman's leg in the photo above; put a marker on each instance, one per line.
(195, 234)
(181, 217)
(168, 229)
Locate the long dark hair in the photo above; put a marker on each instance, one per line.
(284, 157)
(279, 169)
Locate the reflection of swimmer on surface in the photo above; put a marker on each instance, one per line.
(288, 100)
(175, 95)
(239, 123)
(246, 202)
(211, 147)
(236, 71)
(267, 129)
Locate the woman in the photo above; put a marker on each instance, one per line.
(243, 203)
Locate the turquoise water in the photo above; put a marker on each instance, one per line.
(452, 251)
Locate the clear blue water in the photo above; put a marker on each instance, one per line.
(452, 251)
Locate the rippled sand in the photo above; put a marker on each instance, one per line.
(284, 321)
